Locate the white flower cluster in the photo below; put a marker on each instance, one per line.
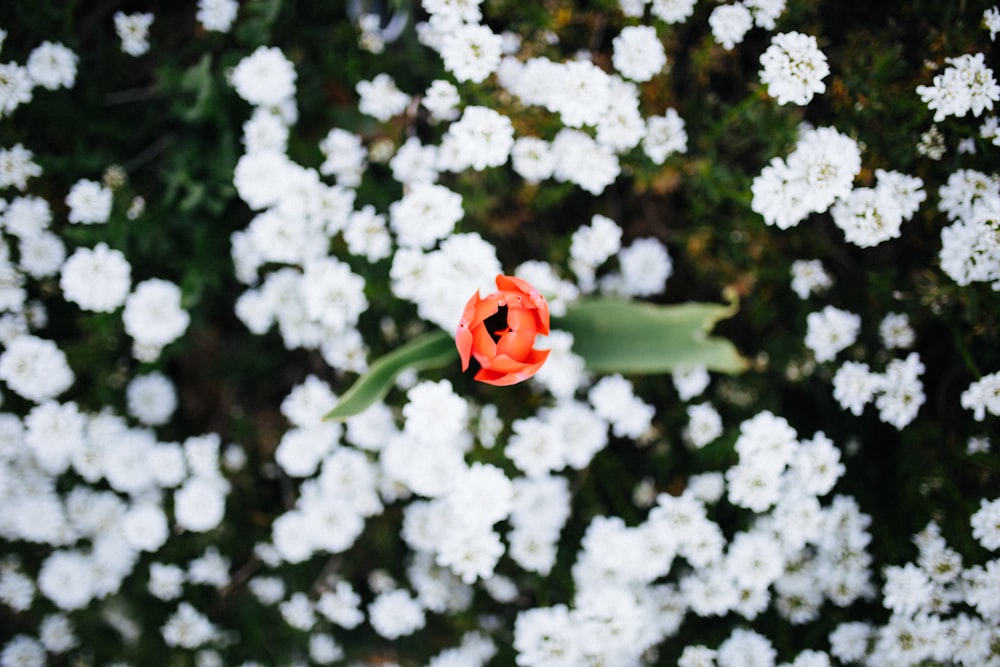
(870, 216)
(898, 393)
(830, 331)
(809, 276)
(991, 21)
(922, 599)
(799, 555)
(217, 15)
(970, 246)
(645, 265)
(820, 169)
(133, 31)
(477, 500)
(793, 68)
(50, 65)
(967, 84)
(818, 176)
(982, 396)
(99, 535)
(583, 96)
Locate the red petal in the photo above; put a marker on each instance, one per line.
(516, 344)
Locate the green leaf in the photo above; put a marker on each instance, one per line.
(431, 350)
(633, 337)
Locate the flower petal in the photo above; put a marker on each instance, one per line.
(516, 344)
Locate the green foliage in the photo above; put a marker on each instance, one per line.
(618, 336)
(430, 350)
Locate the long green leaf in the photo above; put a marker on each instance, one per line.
(431, 350)
(632, 337)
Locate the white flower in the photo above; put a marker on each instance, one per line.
(765, 12)
(471, 52)
(340, 605)
(188, 628)
(27, 216)
(896, 332)
(89, 202)
(967, 84)
(366, 234)
(816, 465)
(638, 53)
(441, 98)
(449, 14)
(730, 23)
(808, 276)
(793, 68)
(966, 191)
(590, 246)
(854, 386)
(970, 250)
(217, 15)
(907, 589)
(265, 77)
(745, 647)
(831, 330)
(441, 281)
(690, 380)
(991, 21)
(35, 368)
(346, 157)
(133, 31)
(16, 164)
(414, 162)
(645, 267)
(902, 391)
(324, 649)
(704, 424)
(982, 396)
(265, 130)
(200, 504)
(151, 398)
(673, 11)
(145, 527)
(849, 641)
(17, 590)
(301, 449)
(533, 159)
(42, 254)
(166, 581)
(665, 135)
(986, 524)
(826, 161)
(614, 401)
(66, 579)
(54, 433)
(52, 66)
(868, 216)
(780, 195)
(426, 214)
(298, 611)
(481, 138)
(23, 651)
(153, 315)
(906, 190)
(56, 634)
(380, 98)
(332, 294)
(97, 280)
(395, 613)
(15, 87)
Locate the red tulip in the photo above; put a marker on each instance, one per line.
(499, 332)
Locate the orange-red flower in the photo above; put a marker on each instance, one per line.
(499, 332)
